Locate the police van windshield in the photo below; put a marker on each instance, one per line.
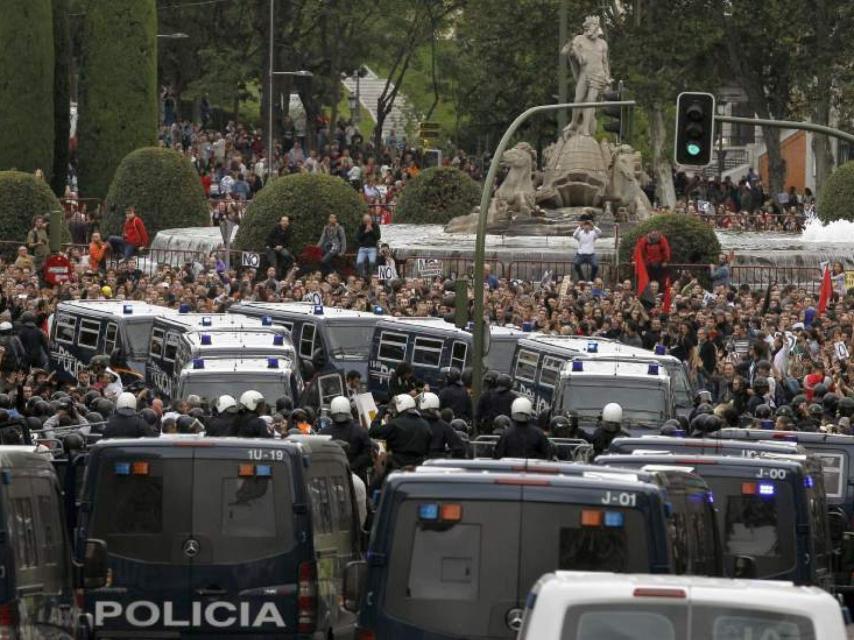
(145, 507)
(271, 389)
(350, 341)
(643, 621)
(446, 578)
(756, 519)
(641, 404)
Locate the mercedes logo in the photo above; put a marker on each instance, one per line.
(514, 619)
(191, 548)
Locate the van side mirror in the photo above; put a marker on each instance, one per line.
(95, 564)
(355, 580)
(745, 567)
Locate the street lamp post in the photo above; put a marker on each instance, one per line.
(270, 74)
(480, 239)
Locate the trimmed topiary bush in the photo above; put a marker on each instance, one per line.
(837, 194)
(691, 241)
(164, 188)
(437, 195)
(26, 86)
(307, 199)
(118, 88)
(24, 198)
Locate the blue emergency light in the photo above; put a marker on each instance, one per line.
(766, 489)
(198, 363)
(653, 369)
(378, 310)
(278, 340)
(263, 471)
(428, 511)
(184, 308)
(614, 519)
(809, 483)
(207, 321)
(272, 363)
(527, 326)
(678, 433)
(660, 350)
(592, 347)
(122, 468)
(266, 321)
(206, 339)
(577, 365)
(127, 309)
(317, 309)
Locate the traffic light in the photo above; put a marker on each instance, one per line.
(457, 298)
(615, 123)
(695, 129)
(428, 130)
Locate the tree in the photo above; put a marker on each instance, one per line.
(118, 88)
(162, 186)
(836, 197)
(61, 95)
(436, 196)
(26, 85)
(308, 199)
(24, 197)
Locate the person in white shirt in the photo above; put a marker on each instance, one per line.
(586, 234)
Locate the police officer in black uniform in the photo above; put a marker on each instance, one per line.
(224, 423)
(407, 434)
(126, 422)
(453, 395)
(445, 441)
(523, 439)
(250, 424)
(497, 402)
(345, 429)
(610, 427)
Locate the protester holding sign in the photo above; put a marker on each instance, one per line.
(367, 239)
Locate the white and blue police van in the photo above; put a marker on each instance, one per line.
(82, 329)
(430, 345)
(211, 378)
(642, 389)
(539, 358)
(341, 337)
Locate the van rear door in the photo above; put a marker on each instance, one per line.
(142, 509)
(453, 579)
(245, 531)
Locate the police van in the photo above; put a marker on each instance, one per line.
(82, 329)
(539, 358)
(710, 446)
(430, 345)
(772, 513)
(37, 598)
(342, 336)
(642, 390)
(444, 565)
(173, 350)
(211, 537)
(695, 540)
(569, 605)
(210, 378)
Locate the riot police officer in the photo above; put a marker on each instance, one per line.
(345, 429)
(126, 422)
(610, 427)
(523, 439)
(224, 423)
(453, 395)
(445, 441)
(250, 424)
(407, 434)
(498, 402)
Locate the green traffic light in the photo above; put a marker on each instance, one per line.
(693, 149)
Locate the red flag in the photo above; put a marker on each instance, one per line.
(826, 290)
(665, 307)
(641, 276)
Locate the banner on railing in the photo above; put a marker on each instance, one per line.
(428, 267)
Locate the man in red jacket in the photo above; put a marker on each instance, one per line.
(654, 250)
(134, 236)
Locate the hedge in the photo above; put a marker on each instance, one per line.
(24, 198)
(164, 188)
(691, 241)
(437, 195)
(61, 95)
(26, 86)
(119, 108)
(307, 199)
(836, 201)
